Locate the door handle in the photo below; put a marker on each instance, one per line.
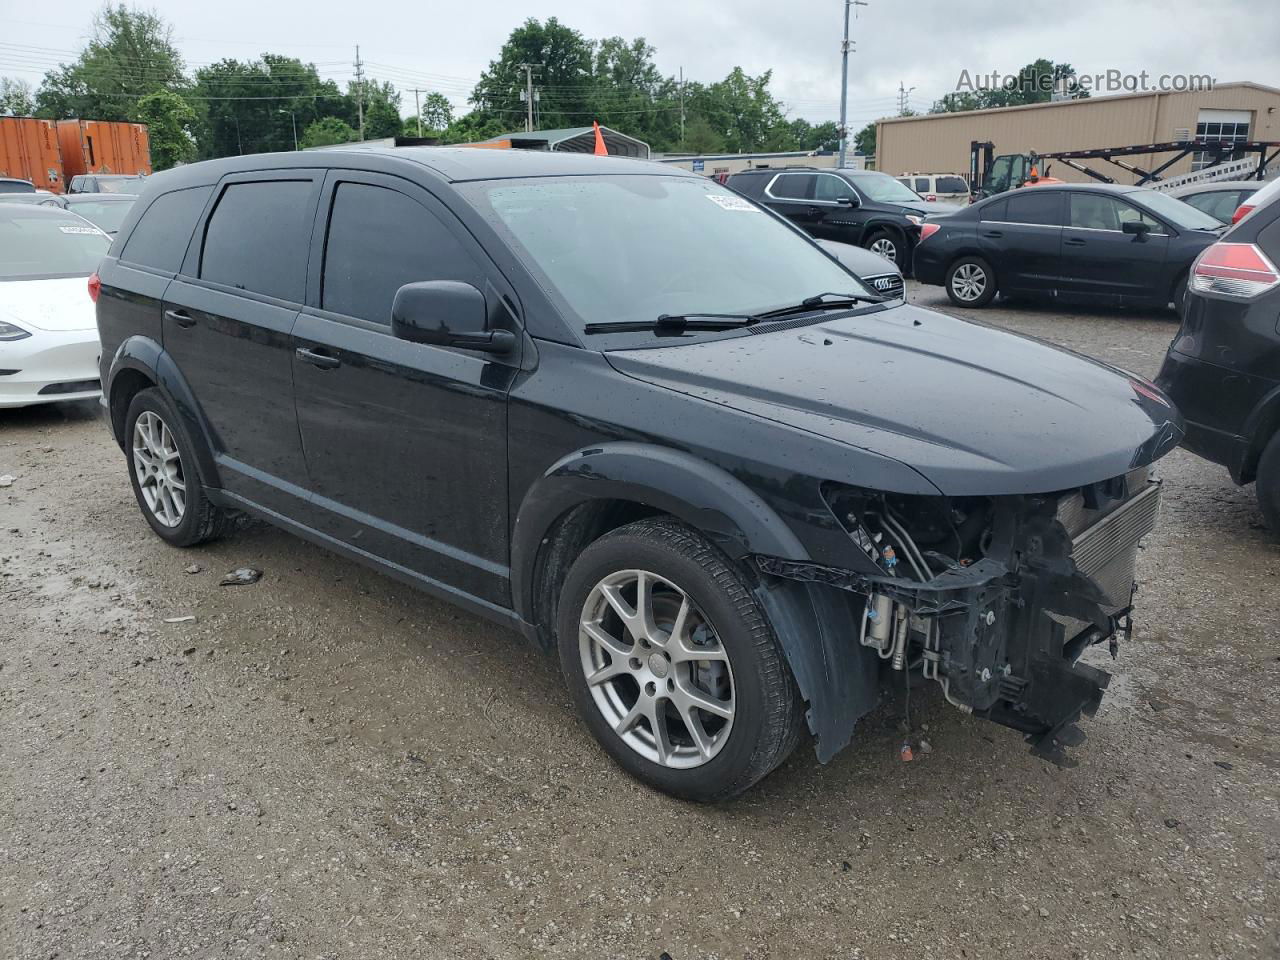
(993, 234)
(321, 360)
(180, 317)
(1073, 242)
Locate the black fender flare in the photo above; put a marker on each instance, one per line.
(815, 624)
(147, 357)
(1261, 425)
(871, 227)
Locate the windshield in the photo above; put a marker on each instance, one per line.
(883, 188)
(118, 185)
(632, 248)
(1176, 212)
(37, 245)
(106, 214)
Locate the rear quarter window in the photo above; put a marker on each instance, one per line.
(159, 239)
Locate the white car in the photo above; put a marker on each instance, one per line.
(48, 329)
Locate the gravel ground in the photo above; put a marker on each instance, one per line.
(326, 764)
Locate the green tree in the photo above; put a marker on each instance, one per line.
(255, 106)
(327, 131)
(16, 98)
(743, 110)
(864, 141)
(473, 127)
(130, 54)
(169, 119)
(1035, 83)
(564, 77)
(437, 111)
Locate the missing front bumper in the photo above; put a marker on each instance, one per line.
(1003, 637)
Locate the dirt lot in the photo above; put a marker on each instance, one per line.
(326, 764)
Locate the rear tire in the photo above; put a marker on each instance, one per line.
(1179, 295)
(164, 476)
(1267, 486)
(970, 282)
(713, 679)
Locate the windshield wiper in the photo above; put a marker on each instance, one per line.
(671, 325)
(820, 302)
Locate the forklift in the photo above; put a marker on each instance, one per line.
(1230, 159)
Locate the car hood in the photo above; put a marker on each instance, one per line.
(976, 411)
(921, 206)
(59, 304)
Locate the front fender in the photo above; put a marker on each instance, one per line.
(814, 625)
(706, 497)
(143, 355)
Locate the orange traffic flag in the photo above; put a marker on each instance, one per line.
(600, 150)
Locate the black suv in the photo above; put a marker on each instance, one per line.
(625, 411)
(1223, 367)
(862, 207)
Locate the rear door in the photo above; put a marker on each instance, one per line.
(406, 443)
(1102, 263)
(228, 323)
(1021, 237)
(791, 194)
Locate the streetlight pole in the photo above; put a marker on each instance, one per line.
(844, 82)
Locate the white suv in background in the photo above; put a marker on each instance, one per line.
(937, 187)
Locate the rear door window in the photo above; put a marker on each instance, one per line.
(159, 239)
(380, 239)
(1030, 206)
(952, 185)
(793, 186)
(258, 236)
(922, 185)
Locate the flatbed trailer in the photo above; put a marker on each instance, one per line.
(1246, 160)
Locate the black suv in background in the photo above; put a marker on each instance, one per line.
(736, 490)
(861, 207)
(1223, 367)
(1090, 243)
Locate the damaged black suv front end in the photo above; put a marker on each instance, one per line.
(996, 598)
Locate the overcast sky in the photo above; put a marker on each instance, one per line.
(924, 45)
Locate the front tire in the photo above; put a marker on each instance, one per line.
(673, 665)
(887, 245)
(970, 282)
(163, 473)
(1267, 485)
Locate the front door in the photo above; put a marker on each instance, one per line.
(1021, 237)
(228, 323)
(1100, 262)
(406, 443)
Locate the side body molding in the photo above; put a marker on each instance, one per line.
(145, 356)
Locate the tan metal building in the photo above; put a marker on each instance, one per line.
(939, 142)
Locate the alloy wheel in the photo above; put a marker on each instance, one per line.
(969, 282)
(885, 248)
(656, 669)
(157, 465)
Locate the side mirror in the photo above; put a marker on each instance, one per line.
(847, 201)
(447, 314)
(1138, 228)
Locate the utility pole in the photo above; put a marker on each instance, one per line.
(844, 82)
(417, 108)
(360, 91)
(682, 107)
(528, 69)
(904, 98)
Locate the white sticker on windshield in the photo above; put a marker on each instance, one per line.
(730, 202)
(72, 228)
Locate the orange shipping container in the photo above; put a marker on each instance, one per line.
(29, 151)
(102, 146)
